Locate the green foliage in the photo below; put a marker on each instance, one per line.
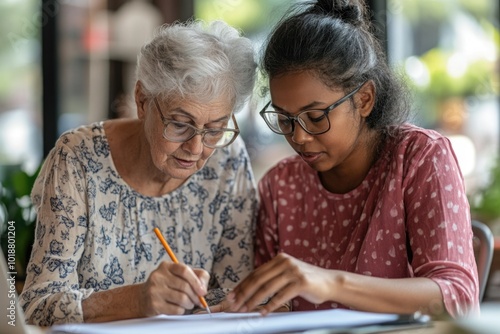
(251, 16)
(19, 43)
(16, 206)
(476, 79)
(485, 204)
(415, 11)
(478, 8)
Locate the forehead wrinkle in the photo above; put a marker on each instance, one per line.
(179, 111)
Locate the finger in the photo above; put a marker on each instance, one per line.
(251, 282)
(241, 293)
(269, 288)
(178, 299)
(283, 296)
(160, 301)
(221, 307)
(259, 282)
(204, 278)
(187, 282)
(166, 308)
(166, 292)
(200, 311)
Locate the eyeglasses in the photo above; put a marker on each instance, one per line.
(181, 132)
(313, 121)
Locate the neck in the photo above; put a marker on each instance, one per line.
(351, 173)
(132, 158)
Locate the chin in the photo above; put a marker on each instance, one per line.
(181, 173)
(321, 167)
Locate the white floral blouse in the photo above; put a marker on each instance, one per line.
(94, 232)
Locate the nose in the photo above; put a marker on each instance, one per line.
(299, 135)
(194, 145)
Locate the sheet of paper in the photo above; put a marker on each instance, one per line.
(221, 323)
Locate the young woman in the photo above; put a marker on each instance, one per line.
(371, 214)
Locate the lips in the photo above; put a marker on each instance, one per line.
(309, 157)
(185, 163)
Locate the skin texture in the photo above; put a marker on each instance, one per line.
(343, 157)
(151, 164)
(170, 289)
(154, 166)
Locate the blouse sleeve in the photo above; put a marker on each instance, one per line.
(266, 234)
(438, 226)
(233, 257)
(52, 293)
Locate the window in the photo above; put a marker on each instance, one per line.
(20, 86)
(448, 49)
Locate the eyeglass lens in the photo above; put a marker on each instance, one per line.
(313, 121)
(181, 132)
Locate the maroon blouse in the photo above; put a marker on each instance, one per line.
(409, 218)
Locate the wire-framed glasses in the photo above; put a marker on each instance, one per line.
(313, 121)
(181, 132)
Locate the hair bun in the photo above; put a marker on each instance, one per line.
(349, 11)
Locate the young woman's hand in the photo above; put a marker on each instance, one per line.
(282, 278)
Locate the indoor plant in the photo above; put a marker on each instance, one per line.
(485, 203)
(17, 213)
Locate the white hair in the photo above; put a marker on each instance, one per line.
(194, 60)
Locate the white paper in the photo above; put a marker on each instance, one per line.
(221, 323)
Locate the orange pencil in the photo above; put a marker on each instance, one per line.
(174, 259)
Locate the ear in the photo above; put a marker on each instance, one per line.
(140, 100)
(365, 99)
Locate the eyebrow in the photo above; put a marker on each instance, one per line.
(185, 113)
(309, 106)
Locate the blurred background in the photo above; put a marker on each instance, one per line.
(64, 63)
(70, 62)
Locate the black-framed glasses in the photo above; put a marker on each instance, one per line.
(313, 121)
(181, 132)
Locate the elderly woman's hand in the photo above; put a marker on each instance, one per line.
(172, 288)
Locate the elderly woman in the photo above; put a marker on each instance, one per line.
(178, 166)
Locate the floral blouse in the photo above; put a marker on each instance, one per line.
(408, 218)
(94, 232)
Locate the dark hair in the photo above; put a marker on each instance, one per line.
(335, 40)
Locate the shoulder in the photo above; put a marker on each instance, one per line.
(417, 150)
(72, 156)
(84, 146)
(291, 166)
(412, 140)
(413, 132)
(83, 136)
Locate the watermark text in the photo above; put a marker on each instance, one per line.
(11, 273)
